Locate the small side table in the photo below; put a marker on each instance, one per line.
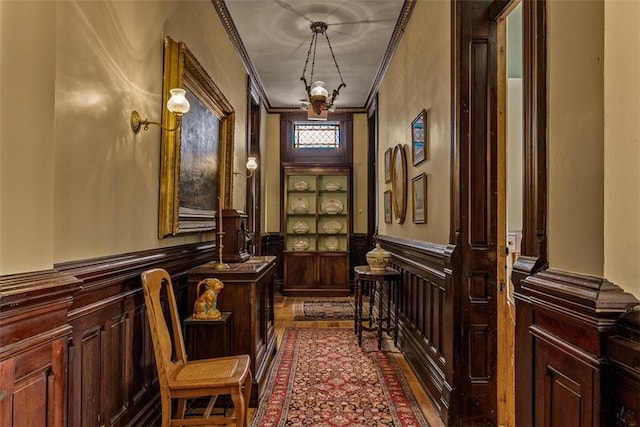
(376, 282)
(208, 338)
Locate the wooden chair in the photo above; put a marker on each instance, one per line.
(183, 380)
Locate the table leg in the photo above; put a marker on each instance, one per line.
(380, 286)
(355, 314)
(372, 300)
(395, 329)
(388, 304)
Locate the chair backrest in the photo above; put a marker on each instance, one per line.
(153, 282)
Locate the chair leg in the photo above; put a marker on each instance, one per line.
(247, 388)
(166, 410)
(239, 405)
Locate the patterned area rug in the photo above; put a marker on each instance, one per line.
(317, 309)
(322, 378)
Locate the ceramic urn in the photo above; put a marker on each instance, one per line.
(378, 259)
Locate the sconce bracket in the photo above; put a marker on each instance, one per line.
(136, 122)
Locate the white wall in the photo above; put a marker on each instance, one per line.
(76, 182)
(27, 146)
(622, 144)
(575, 135)
(420, 78)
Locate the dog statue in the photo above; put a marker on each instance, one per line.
(206, 306)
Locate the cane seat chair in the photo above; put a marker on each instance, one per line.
(189, 380)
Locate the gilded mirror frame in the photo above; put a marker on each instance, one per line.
(399, 182)
(182, 69)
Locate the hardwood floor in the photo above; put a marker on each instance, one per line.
(284, 319)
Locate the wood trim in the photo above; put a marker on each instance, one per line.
(474, 203)
(534, 236)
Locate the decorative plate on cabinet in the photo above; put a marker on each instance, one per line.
(301, 185)
(300, 243)
(300, 227)
(332, 227)
(300, 205)
(332, 206)
(331, 243)
(332, 186)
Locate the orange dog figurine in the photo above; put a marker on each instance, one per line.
(206, 306)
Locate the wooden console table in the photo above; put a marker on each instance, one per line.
(375, 282)
(248, 293)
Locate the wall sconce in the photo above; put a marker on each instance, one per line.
(252, 165)
(177, 104)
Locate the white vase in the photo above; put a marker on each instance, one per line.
(378, 259)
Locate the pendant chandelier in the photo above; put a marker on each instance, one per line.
(319, 100)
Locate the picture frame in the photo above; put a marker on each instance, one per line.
(399, 183)
(419, 198)
(387, 207)
(196, 159)
(419, 137)
(387, 164)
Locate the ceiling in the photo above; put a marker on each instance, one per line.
(273, 37)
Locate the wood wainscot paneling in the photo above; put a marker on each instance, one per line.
(358, 252)
(427, 314)
(563, 322)
(112, 378)
(33, 347)
(623, 349)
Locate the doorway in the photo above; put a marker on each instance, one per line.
(510, 200)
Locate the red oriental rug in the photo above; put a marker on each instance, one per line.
(322, 378)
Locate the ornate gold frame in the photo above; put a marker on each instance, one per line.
(399, 182)
(182, 69)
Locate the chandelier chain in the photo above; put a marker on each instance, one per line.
(319, 98)
(334, 58)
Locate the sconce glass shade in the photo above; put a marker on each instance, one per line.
(252, 164)
(178, 102)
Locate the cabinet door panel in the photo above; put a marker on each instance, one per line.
(333, 271)
(299, 270)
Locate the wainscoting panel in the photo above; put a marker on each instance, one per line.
(112, 377)
(425, 314)
(564, 321)
(33, 347)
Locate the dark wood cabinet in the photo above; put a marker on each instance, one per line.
(248, 294)
(316, 224)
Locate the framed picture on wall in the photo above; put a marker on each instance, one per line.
(419, 198)
(195, 168)
(387, 207)
(419, 132)
(387, 164)
(399, 182)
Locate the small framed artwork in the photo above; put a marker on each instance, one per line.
(419, 132)
(387, 164)
(387, 207)
(419, 197)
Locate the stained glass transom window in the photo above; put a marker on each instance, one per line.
(325, 135)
